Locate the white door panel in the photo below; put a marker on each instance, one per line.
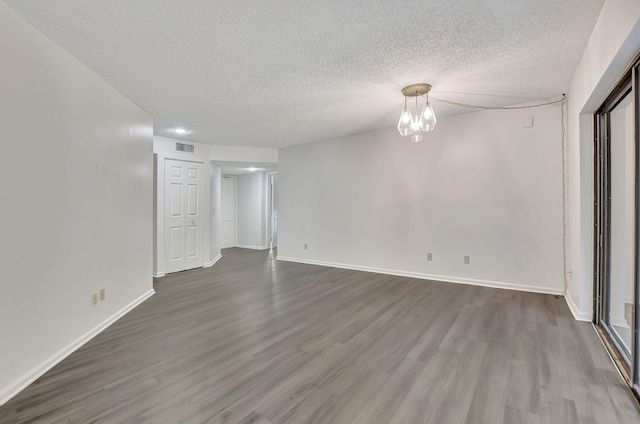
(175, 171)
(183, 218)
(192, 242)
(175, 199)
(192, 200)
(193, 220)
(176, 244)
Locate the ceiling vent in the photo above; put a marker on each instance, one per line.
(181, 147)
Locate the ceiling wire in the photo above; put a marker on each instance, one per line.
(563, 103)
(564, 96)
(564, 197)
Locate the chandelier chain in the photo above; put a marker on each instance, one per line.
(498, 107)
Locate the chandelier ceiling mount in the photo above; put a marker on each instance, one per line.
(414, 90)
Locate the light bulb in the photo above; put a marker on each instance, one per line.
(427, 117)
(417, 125)
(416, 138)
(404, 125)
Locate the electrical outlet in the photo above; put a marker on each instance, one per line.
(101, 295)
(467, 260)
(429, 257)
(94, 298)
(305, 246)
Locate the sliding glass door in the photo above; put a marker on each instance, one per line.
(616, 225)
(635, 78)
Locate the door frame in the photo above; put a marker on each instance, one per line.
(627, 85)
(271, 181)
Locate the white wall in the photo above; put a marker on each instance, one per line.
(243, 154)
(480, 184)
(250, 210)
(76, 203)
(165, 148)
(613, 45)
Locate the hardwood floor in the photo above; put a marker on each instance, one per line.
(253, 340)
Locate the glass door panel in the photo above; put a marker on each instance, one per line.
(621, 291)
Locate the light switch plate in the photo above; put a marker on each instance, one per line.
(528, 122)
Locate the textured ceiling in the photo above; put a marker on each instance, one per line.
(283, 72)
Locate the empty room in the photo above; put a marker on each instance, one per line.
(287, 212)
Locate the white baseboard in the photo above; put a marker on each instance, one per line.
(213, 261)
(158, 274)
(21, 383)
(447, 279)
(247, 246)
(579, 316)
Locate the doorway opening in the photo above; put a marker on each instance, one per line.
(248, 204)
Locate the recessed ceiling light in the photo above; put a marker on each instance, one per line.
(252, 169)
(180, 131)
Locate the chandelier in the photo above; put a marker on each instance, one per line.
(416, 125)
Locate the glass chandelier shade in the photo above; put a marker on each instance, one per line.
(418, 124)
(427, 116)
(405, 123)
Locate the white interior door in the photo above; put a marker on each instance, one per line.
(273, 208)
(183, 215)
(228, 205)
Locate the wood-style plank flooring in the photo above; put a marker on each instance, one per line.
(254, 340)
